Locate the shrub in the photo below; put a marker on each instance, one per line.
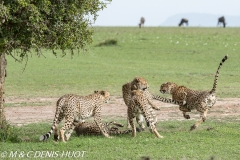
(9, 133)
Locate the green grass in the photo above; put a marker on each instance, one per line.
(187, 56)
(221, 142)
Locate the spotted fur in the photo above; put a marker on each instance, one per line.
(77, 108)
(139, 104)
(202, 101)
(90, 128)
(142, 84)
(137, 83)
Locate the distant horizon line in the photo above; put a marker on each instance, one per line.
(177, 17)
(164, 26)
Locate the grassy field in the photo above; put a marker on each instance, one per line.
(217, 139)
(186, 56)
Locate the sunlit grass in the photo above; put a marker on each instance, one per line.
(187, 56)
(178, 142)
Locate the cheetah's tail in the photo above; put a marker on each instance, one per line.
(166, 100)
(55, 123)
(46, 136)
(217, 73)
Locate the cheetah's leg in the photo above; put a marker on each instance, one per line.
(153, 128)
(153, 105)
(60, 118)
(149, 119)
(202, 119)
(131, 121)
(128, 124)
(140, 118)
(72, 127)
(153, 115)
(69, 119)
(150, 108)
(117, 124)
(98, 121)
(56, 137)
(184, 109)
(61, 133)
(140, 121)
(133, 127)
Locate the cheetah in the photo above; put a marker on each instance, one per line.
(90, 128)
(202, 101)
(77, 108)
(142, 84)
(139, 104)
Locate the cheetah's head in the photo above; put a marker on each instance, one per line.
(104, 95)
(139, 83)
(166, 88)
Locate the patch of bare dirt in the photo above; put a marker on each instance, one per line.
(43, 110)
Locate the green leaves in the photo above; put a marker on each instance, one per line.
(51, 24)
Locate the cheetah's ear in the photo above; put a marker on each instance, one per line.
(137, 79)
(102, 93)
(163, 84)
(95, 91)
(166, 83)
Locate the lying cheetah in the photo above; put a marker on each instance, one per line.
(139, 104)
(75, 108)
(90, 128)
(202, 101)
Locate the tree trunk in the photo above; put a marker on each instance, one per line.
(3, 74)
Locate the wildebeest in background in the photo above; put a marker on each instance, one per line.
(142, 21)
(183, 20)
(222, 20)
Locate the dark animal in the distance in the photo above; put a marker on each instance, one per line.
(222, 20)
(142, 21)
(183, 20)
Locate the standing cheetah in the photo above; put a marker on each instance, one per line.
(139, 104)
(75, 108)
(142, 84)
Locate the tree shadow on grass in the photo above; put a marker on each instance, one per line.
(109, 42)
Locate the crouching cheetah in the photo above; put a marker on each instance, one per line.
(139, 104)
(202, 101)
(90, 128)
(139, 83)
(75, 108)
